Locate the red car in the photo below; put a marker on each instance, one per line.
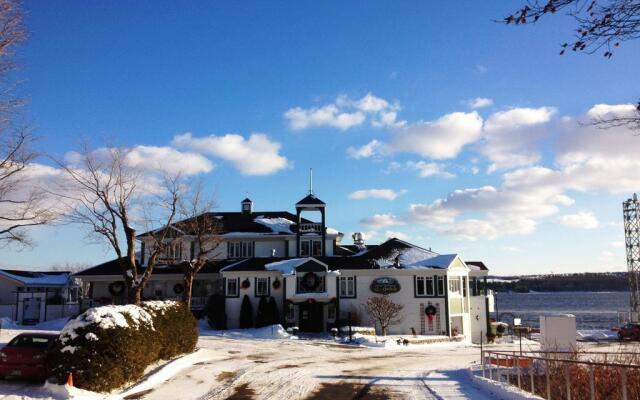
(629, 331)
(25, 356)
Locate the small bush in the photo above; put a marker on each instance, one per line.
(216, 313)
(246, 313)
(262, 317)
(273, 313)
(175, 326)
(108, 347)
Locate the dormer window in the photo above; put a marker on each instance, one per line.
(173, 252)
(310, 247)
(240, 249)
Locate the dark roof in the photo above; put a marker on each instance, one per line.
(247, 200)
(352, 249)
(227, 222)
(310, 199)
(479, 264)
(333, 263)
(33, 274)
(113, 268)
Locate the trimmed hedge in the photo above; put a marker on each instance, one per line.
(108, 347)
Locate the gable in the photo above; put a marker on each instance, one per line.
(311, 266)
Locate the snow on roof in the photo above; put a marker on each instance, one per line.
(277, 225)
(332, 231)
(32, 278)
(287, 267)
(440, 261)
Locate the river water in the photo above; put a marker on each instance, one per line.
(593, 310)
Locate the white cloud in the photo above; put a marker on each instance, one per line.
(381, 221)
(345, 113)
(511, 136)
(370, 149)
(257, 155)
(168, 160)
(607, 111)
(441, 139)
(385, 194)
(581, 220)
(429, 169)
(479, 102)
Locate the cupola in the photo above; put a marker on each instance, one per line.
(247, 206)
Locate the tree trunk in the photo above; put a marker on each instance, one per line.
(188, 286)
(384, 330)
(135, 295)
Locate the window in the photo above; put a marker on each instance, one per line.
(262, 287)
(311, 248)
(347, 286)
(240, 249)
(232, 287)
(317, 248)
(173, 251)
(305, 248)
(441, 286)
(454, 285)
(424, 286)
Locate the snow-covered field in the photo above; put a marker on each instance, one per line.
(270, 364)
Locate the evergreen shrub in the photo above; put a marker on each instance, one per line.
(107, 347)
(216, 312)
(246, 313)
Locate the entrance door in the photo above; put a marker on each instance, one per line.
(311, 317)
(31, 310)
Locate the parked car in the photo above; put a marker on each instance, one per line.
(25, 356)
(629, 331)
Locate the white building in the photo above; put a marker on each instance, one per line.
(316, 281)
(30, 297)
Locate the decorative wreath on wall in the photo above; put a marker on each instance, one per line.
(178, 288)
(430, 311)
(246, 284)
(276, 284)
(116, 288)
(310, 281)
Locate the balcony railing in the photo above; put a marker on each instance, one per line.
(310, 228)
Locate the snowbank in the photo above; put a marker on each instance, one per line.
(500, 389)
(52, 325)
(267, 332)
(596, 335)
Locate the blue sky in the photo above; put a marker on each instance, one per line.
(536, 191)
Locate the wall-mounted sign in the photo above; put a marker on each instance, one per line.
(385, 285)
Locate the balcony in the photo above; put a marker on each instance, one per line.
(310, 228)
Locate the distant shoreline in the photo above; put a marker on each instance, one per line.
(586, 282)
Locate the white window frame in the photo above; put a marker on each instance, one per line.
(454, 285)
(345, 290)
(235, 286)
(173, 251)
(240, 249)
(262, 287)
(438, 280)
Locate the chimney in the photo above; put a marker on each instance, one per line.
(358, 239)
(247, 206)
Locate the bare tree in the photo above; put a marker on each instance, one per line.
(384, 311)
(200, 223)
(102, 192)
(21, 203)
(602, 26)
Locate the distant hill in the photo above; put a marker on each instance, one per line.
(586, 282)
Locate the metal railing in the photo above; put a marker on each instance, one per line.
(566, 375)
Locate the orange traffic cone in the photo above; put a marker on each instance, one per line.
(70, 379)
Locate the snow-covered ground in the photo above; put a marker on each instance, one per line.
(252, 364)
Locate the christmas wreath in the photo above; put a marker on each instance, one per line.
(276, 284)
(430, 311)
(116, 288)
(246, 284)
(310, 281)
(178, 288)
